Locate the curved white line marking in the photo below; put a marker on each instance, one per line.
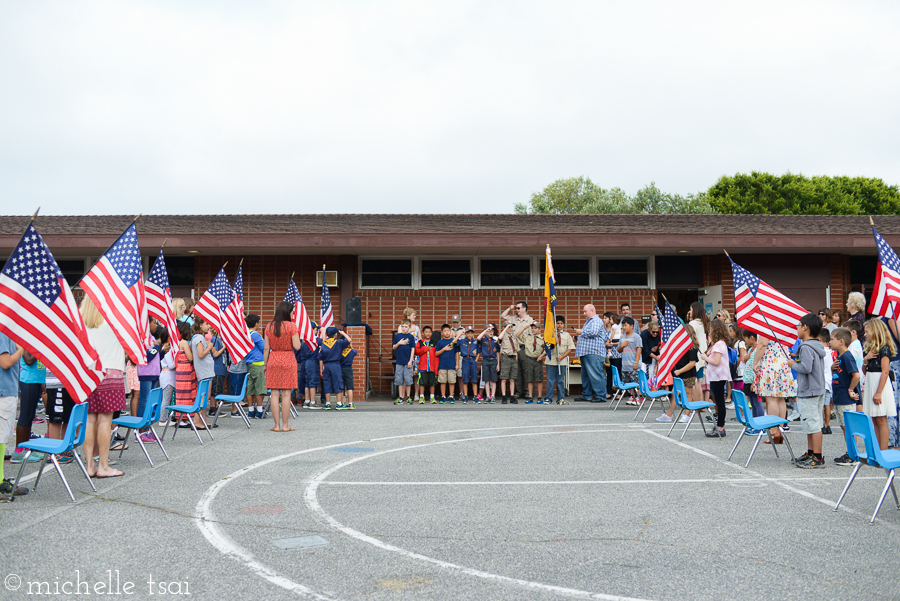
(312, 502)
(205, 519)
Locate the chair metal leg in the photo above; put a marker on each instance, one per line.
(166, 427)
(894, 491)
(890, 482)
(84, 469)
(19, 474)
(125, 442)
(787, 442)
(640, 406)
(617, 397)
(755, 446)
(208, 427)
(243, 413)
(734, 448)
(159, 442)
(194, 428)
(294, 413)
(61, 477)
(143, 448)
(674, 421)
(652, 400)
(847, 487)
(688, 425)
(218, 410)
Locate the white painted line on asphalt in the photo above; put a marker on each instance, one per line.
(763, 478)
(312, 502)
(564, 482)
(205, 519)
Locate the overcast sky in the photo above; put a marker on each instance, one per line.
(411, 106)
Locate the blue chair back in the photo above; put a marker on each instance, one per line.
(680, 391)
(643, 383)
(858, 424)
(202, 395)
(617, 382)
(741, 407)
(77, 425)
(244, 387)
(151, 407)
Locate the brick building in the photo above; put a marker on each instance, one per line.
(477, 265)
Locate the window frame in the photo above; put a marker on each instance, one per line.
(651, 271)
(592, 271)
(533, 262)
(359, 279)
(417, 271)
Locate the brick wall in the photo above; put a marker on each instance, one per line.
(361, 363)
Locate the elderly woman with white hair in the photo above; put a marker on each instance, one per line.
(856, 307)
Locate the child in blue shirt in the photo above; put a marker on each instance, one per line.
(447, 352)
(489, 347)
(331, 351)
(347, 356)
(403, 345)
(845, 384)
(468, 351)
(311, 371)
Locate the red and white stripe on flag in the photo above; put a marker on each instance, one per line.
(304, 327)
(38, 311)
(116, 286)
(885, 299)
(672, 351)
(762, 309)
(160, 307)
(217, 307)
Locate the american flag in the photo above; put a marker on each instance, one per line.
(762, 309)
(886, 298)
(116, 285)
(218, 306)
(159, 298)
(38, 311)
(675, 340)
(327, 315)
(301, 317)
(239, 292)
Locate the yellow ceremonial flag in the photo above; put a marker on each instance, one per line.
(549, 302)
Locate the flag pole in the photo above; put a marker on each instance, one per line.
(226, 263)
(163, 244)
(763, 315)
(292, 274)
(39, 208)
(242, 262)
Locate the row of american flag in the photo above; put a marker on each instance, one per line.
(38, 310)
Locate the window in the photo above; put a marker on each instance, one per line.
(386, 273)
(506, 273)
(679, 272)
(622, 272)
(72, 269)
(862, 272)
(568, 272)
(180, 270)
(452, 273)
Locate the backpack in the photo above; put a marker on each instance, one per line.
(733, 363)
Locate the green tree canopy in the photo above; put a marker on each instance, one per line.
(790, 194)
(580, 195)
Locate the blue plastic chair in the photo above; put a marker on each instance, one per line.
(51, 447)
(646, 393)
(860, 425)
(199, 406)
(762, 424)
(686, 404)
(235, 400)
(151, 415)
(621, 387)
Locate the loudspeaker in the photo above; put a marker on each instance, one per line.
(353, 313)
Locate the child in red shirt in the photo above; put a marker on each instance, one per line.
(428, 365)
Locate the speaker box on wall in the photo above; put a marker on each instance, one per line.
(354, 310)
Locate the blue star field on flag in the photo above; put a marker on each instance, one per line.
(32, 266)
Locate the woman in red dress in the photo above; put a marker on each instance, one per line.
(281, 364)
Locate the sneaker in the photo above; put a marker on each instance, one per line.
(38, 420)
(433, 401)
(826, 430)
(6, 488)
(751, 432)
(350, 406)
(631, 401)
(664, 418)
(409, 401)
(514, 401)
(479, 397)
(328, 405)
(65, 458)
(251, 414)
(452, 401)
(148, 437)
(793, 416)
(398, 402)
(465, 400)
(812, 463)
(729, 405)
(339, 406)
(715, 433)
(19, 456)
(235, 414)
(7, 498)
(785, 428)
(529, 400)
(684, 419)
(804, 457)
(443, 400)
(504, 400)
(491, 400)
(307, 403)
(314, 406)
(844, 460)
(475, 400)
(422, 401)
(212, 411)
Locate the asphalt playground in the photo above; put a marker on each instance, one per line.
(455, 502)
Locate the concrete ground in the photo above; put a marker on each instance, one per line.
(456, 502)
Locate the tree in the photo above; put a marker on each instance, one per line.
(790, 194)
(580, 195)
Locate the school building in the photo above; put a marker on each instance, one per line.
(478, 265)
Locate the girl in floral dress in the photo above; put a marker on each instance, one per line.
(774, 381)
